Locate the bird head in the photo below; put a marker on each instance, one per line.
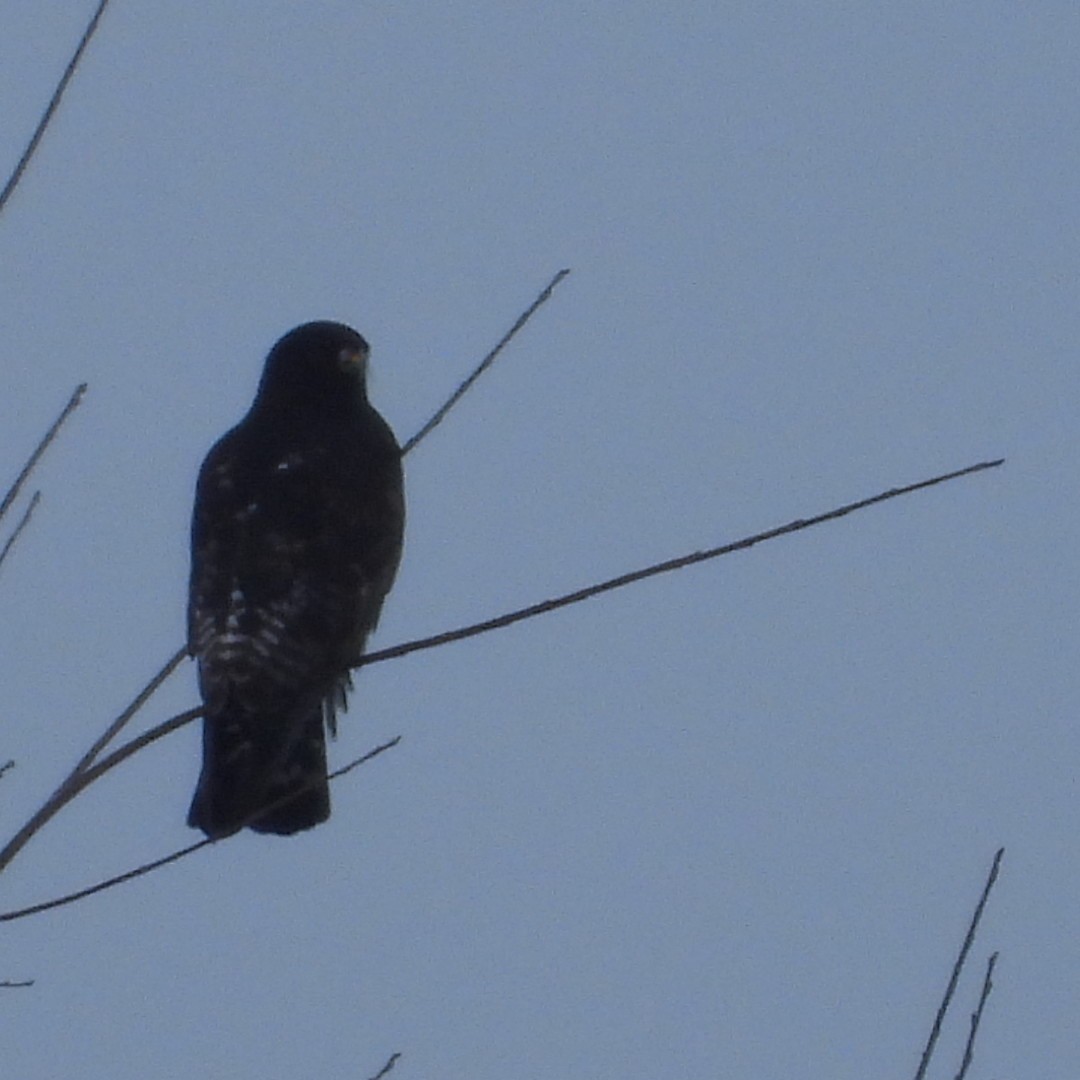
(320, 363)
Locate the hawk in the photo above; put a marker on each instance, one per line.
(295, 541)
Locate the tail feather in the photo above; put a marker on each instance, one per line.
(267, 774)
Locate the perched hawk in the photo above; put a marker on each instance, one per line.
(295, 540)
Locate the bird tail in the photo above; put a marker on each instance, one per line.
(249, 777)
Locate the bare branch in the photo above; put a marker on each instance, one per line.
(8, 984)
(484, 364)
(181, 853)
(121, 721)
(976, 1017)
(354, 764)
(9, 764)
(660, 568)
(42, 446)
(958, 967)
(110, 761)
(50, 109)
(166, 727)
(77, 779)
(23, 522)
(102, 885)
(393, 1060)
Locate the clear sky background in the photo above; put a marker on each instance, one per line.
(730, 822)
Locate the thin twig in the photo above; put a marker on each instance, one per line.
(75, 781)
(660, 568)
(387, 1067)
(484, 364)
(976, 1017)
(47, 905)
(50, 109)
(181, 853)
(42, 446)
(110, 761)
(9, 764)
(23, 522)
(121, 721)
(354, 764)
(167, 727)
(958, 967)
(9, 984)
(79, 779)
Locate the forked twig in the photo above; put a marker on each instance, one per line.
(958, 967)
(121, 721)
(54, 104)
(23, 522)
(976, 1017)
(46, 440)
(78, 778)
(132, 746)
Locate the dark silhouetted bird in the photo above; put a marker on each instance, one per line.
(296, 538)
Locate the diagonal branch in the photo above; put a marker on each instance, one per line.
(662, 568)
(133, 746)
(47, 438)
(976, 1017)
(79, 777)
(23, 522)
(101, 886)
(121, 721)
(385, 1070)
(180, 853)
(484, 364)
(958, 967)
(50, 109)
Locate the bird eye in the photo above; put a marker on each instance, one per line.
(350, 357)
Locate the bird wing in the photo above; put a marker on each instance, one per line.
(293, 554)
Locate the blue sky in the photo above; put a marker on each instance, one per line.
(727, 822)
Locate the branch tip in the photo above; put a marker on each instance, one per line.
(42, 446)
(50, 109)
(459, 393)
(958, 967)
